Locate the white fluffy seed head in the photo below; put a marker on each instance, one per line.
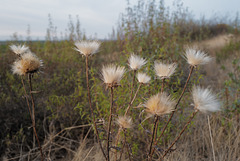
(19, 49)
(196, 57)
(136, 62)
(164, 70)
(125, 122)
(28, 63)
(160, 104)
(204, 100)
(143, 78)
(87, 48)
(112, 75)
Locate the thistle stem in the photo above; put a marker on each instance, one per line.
(109, 124)
(90, 104)
(133, 99)
(163, 82)
(180, 134)
(123, 145)
(133, 83)
(154, 132)
(33, 114)
(170, 118)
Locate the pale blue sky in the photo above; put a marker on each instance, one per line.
(96, 16)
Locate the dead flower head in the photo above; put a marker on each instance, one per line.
(204, 100)
(112, 75)
(125, 122)
(160, 104)
(87, 48)
(196, 57)
(29, 63)
(19, 49)
(136, 62)
(143, 78)
(164, 70)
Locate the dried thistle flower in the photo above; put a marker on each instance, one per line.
(160, 104)
(125, 122)
(143, 78)
(112, 75)
(19, 49)
(29, 63)
(196, 57)
(136, 62)
(164, 70)
(204, 100)
(87, 48)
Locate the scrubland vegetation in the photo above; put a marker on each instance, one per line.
(63, 117)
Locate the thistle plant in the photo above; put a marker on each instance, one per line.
(111, 76)
(28, 64)
(87, 49)
(194, 58)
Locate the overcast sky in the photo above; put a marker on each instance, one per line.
(96, 16)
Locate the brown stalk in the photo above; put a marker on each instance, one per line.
(32, 114)
(133, 99)
(109, 124)
(180, 134)
(133, 82)
(90, 104)
(123, 145)
(153, 135)
(170, 118)
(163, 82)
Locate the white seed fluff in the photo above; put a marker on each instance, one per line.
(204, 100)
(164, 70)
(136, 62)
(143, 78)
(87, 48)
(112, 74)
(196, 57)
(19, 49)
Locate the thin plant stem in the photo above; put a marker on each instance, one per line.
(170, 118)
(29, 109)
(133, 99)
(109, 124)
(123, 145)
(163, 82)
(210, 133)
(33, 105)
(129, 155)
(33, 114)
(133, 83)
(153, 136)
(91, 108)
(180, 134)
